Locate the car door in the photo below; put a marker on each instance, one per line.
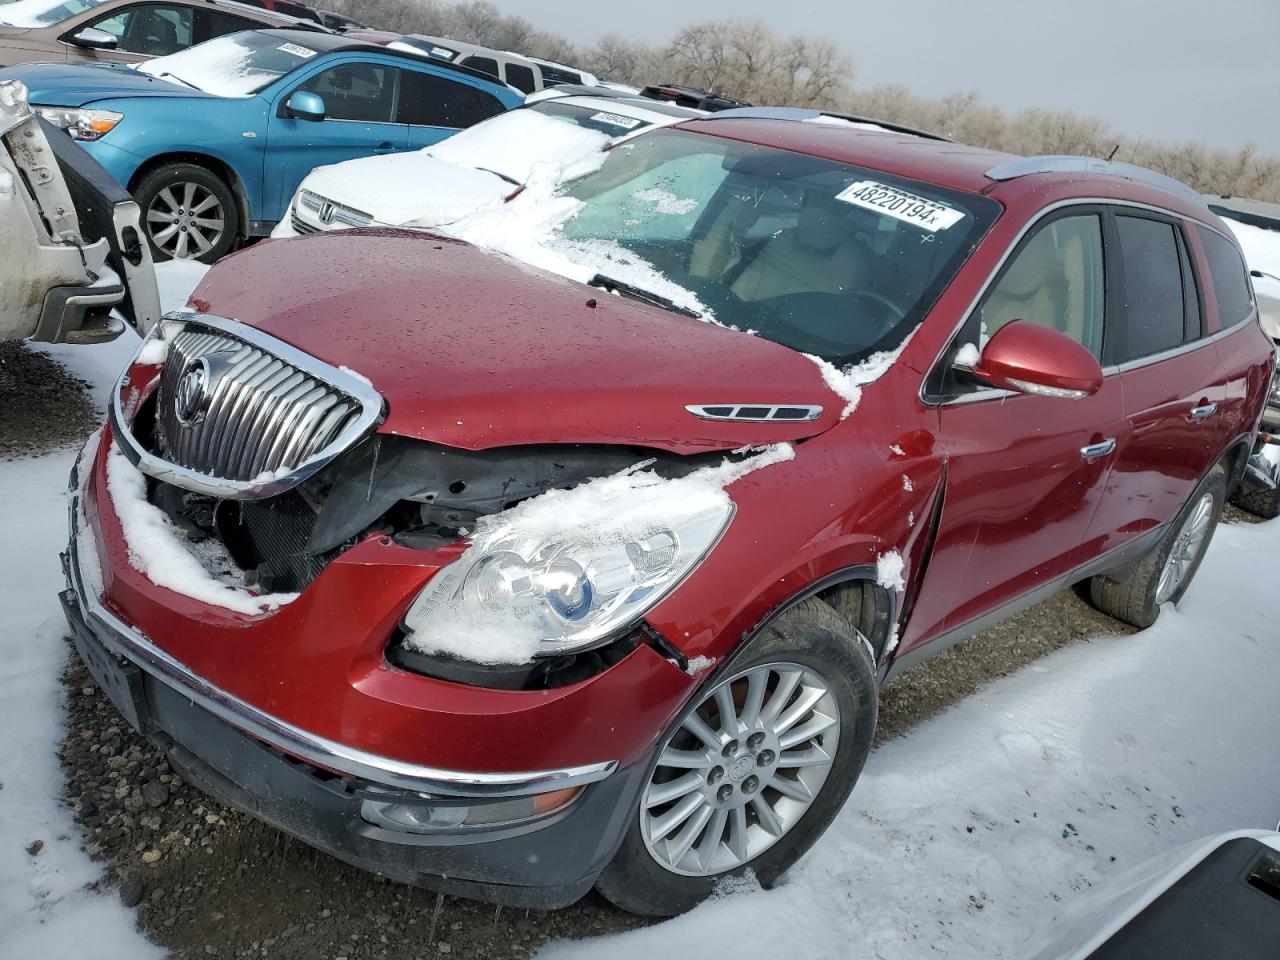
(142, 31)
(360, 97)
(1024, 472)
(436, 105)
(1174, 386)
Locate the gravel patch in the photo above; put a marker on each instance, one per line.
(42, 406)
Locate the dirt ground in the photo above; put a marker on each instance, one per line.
(208, 881)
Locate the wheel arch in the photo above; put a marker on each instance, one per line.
(219, 168)
(1235, 458)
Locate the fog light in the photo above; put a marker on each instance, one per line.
(424, 816)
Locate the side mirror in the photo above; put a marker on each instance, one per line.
(303, 105)
(1028, 358)
(92, 38)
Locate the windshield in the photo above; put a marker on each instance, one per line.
(824, 257)
(43, 13)
(610, 123)
(236, 65)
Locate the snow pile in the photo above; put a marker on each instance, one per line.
(6, 183)
(969, 833)
(847, 383)
(698, 665)
(625, 507)
(889, 571)
(967, 356)
(166, 558)
(48, 905)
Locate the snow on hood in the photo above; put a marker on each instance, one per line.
(849, 381)
(624, 507)
(408, 189)
(209, 68)
(29, 14)
(514, 145)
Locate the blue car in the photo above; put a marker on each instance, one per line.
(213, 141)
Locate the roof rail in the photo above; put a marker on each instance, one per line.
(807, 113)
(1094, 166)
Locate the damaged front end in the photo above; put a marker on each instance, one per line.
(269, 463)
(72, 260)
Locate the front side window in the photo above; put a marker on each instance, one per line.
(1230, 276)
(1154, 308)
(363, 92)
(236, 65)
(820, 256)
(428, 100)
(1057, 280)
(152, 29)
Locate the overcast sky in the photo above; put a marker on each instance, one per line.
(1169, 70)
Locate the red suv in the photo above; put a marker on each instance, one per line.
(481, 578)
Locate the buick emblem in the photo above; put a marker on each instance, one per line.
(326, 212)
(192, 395)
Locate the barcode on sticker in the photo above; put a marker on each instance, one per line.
(616, 120)
(907, 207)
(297, 51)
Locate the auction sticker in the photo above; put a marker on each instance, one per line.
(923, 213)
(297, 51)
(616, 120)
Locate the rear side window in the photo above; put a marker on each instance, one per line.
(427, 100)
(520, 77)
(1056, 281)
(487, 64)
(1154, 316)
(1230, 278)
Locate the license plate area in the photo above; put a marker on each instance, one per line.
(121, 681)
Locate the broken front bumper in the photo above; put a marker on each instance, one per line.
(316, 788)
(71, 252)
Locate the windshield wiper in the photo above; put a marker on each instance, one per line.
(185, 83)
(611, 285)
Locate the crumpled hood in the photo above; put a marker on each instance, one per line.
(477, 351)
(401, 189)
(78, 84)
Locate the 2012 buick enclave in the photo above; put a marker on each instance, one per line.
(482, 578)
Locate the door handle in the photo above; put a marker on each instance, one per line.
(384, 147)
(1095, 450)
(1203, 412)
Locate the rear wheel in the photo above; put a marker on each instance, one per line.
(755, 771)
(1136, 593)
(189, 212)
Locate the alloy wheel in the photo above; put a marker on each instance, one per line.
(185, 220)
(741, 770)
(1187, 546)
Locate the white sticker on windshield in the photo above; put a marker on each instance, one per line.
(926, 214)
(616, 120)
(297, 51)
(442, 53)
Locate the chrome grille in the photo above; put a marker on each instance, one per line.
(240, 414)
(300, 225)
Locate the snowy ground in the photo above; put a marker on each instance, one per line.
(961, 839)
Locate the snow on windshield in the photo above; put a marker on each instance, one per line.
(238, 65)
(43, 13)
(609, 510)
(513, 144)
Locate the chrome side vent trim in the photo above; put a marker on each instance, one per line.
(241, 415)
(756, 412)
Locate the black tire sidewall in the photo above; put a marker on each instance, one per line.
(173, 173)
(636, 882)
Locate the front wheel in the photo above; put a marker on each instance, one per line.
(189, 213)
(1136, 593)
(754, 772)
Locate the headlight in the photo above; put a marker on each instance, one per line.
(82, 124)
(511, 598)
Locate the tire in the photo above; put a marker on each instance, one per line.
(1257, 499)
(827, 656)
(1135, 593)
(168, 194)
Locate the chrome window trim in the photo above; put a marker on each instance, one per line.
(997, 394)
(702, 412)
(130, 643)
(370, 401)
